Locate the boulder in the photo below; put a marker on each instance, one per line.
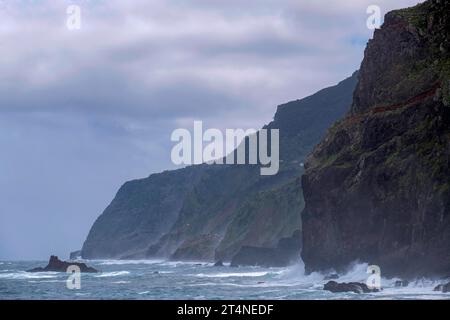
(443, 288)
(355, 287)
(218, 263)
(401, 283)
(56, 265)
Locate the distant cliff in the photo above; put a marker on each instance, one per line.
(209, 212)
(377, 188)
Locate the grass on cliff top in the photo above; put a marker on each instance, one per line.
(416, 15)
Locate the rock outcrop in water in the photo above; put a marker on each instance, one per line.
(443, 288)
(56, 265)
(209, 212)
(354, 287)
(377, 188)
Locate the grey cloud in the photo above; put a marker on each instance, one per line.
(81, 112)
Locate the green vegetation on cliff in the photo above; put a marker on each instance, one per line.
(377, 186)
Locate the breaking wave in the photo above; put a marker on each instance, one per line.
(112, 274)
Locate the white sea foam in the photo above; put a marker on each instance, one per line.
(184, 263)
(22, 275)
(112, 274)
(46, 281)
(144, 292)
(419, 289)
(125, 262)
(235, 274)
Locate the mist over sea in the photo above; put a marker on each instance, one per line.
(157, 279)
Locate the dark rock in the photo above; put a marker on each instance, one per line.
(401, 283)
(439, 287)
(443, 288)
(332, 276)
(355, 287)
(377, 187)
(286, 253)
(219, 263)
(75, 255)
(56, 265)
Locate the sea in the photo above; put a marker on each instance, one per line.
(159, 279)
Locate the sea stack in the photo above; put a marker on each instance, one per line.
(56, 265)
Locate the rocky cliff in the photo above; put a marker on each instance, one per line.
(209, 212)
(377, 187)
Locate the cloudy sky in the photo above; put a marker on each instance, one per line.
(82, 111)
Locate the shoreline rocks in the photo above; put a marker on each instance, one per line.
(56, 265)
(219, 263)
(354, 287)
(443, 288)
(401, 283)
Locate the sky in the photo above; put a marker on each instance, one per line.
(82, 111)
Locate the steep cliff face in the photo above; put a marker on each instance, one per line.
(209, 212)
(142, 211)
(377, 188)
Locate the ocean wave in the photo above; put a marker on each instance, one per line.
(46, 281)
(184, 263)
(144, 292)
(418, 289)
(236, 274)
(125, 262)
(23, 275)
(112, 274)
(232, 284)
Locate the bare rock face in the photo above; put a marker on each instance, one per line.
(377, 188)
(56, 265)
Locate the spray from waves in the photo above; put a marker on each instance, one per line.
(357, 272)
